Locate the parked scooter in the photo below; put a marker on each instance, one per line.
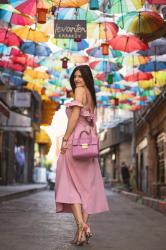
(51, 178)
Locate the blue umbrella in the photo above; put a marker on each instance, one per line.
(152, 66)
(35, 49)
(3, 49)
(10, 72)
(97, 52)
(12, 79)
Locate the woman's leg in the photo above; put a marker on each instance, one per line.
(85, 217)
(77, 212)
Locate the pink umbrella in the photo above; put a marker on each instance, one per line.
(127, 43)
(9, 38)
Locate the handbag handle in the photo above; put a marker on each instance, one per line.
(90, 137)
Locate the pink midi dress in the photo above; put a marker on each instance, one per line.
(79, 180)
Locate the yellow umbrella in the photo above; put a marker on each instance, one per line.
(69, 3)
(147, 84)
(160, 77)
(34, 87)
(36, 74)
(42, 137)
(38, 82)
(135, 61)
(30, 34)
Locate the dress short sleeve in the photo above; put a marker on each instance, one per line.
(74, 103)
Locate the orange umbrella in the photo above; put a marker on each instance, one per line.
(30, 34)
(69, 3)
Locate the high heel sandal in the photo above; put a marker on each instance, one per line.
(88, 233)
(84, 230)
(81, 234)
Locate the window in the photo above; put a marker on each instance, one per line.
(160, 158)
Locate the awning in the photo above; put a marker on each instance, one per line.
(18, 122)
(42, 137)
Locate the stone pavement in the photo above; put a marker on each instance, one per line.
(30, 223)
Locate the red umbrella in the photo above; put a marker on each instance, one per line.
(16, 52)
(25, 60)
(127, 43)
(138, 76)
(157, 1)
(100, 76)
(11, 65)
(9, 38)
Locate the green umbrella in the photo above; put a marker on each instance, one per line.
(121, 6)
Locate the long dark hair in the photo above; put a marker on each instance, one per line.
(88, 79)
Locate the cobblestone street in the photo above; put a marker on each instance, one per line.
(30, 223)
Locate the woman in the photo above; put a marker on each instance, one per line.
(79, 186)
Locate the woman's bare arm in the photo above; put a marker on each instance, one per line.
(79, 93)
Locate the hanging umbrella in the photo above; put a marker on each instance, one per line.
(8, 7)
(157, 47)
(36, 74)
(3, 49)
(96, 52)
(70, 44)
(117, 86)
(138, 76)
(30, 6)
(76, 58)
(157, 1)
(146, 84)
(12, 79)
(142, 22)
(77, 14)
(116, 77)
(15, 3)
(159, 82)
(12, 66)
(15, 52)
(104, 30)
(30, 34)
(18, 19)
(104, 66)
(133, 60)
(120, 6)
(152, 66)
(127, 43)
(9, 38)
(25, 60)
(35, 49)
(11, 15)
(160, 77)
(69, 3)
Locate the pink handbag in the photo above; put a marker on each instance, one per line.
(86, 145)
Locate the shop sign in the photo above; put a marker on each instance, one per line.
(21, 99)
(70, 29)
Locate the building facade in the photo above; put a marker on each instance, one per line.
(151, 148)
(115, 147)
